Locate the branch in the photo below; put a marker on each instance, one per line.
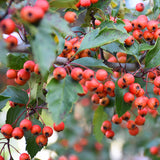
(21, 49)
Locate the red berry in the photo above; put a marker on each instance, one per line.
(43, 4)
(88, 74)
(73, 157)
(131, 124)
(128, 25)
(109, 86)
(121, 83)
(19, 81)
(126, 116)
(94, 1)
(139, 7)
(26, 124)
(70, 16)
(101, 75)
(36, 69)
(106, 125)
(23, 75)
(128, 97)
(59, 127)
(77, 73)
(140, 93)
(92, 85)
(62, 158)
(47, 131)
(85, 3)
(157, 81)
(104, 101)
(17, 133)
(1, 158)
(116, 119)
(36, 129)
(154, 150)
(97, 22)
(152, 26)
(157, 34)
(41, 140)
(138, 34)
(134, 131)
(148, 36)
(95, 98)
(7, 26)
(59, 73)
(11, 41)
(142, 112)
(140, 102)
(7, 130)
(129, 41)
(153, 103)
(134, 88)
(29, 66)
(140, 120)
(109, 134)
(100, 88)
(24, 156)
(11, 73)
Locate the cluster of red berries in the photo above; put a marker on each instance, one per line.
(70, 157)
(23, 75)
(26, 125)
(85, 3)
(154, 150)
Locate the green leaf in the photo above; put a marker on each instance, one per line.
(31, 145)
(3, 52)
(99, 117)
(91, 63)
(14, 113)
(61, 96)
(63, 3)
(102, 4)
(115, 10)
(44, 50)
(16, 60)
(121, 105)
(98, 38)
(17, 95)
(145, 46)
(3, 101)
(153, 56)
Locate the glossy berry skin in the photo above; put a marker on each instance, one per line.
(7, 130)
(47, 131)
(140, 120)
(24, 156)
(41, 140)
(140, 93)
(59, 73)
(23, 75)
(7, 26)
(85, 3)
(140, 102)
(153, 103)
(19, 81)
(60, 127)
(128, 97)
(17, 133)
(101, 75)
(134, 88)
(152, 74)
(128, 26)
(157, 82)
(141, 23)
(109, 86)
(109, 134)
(121, 83)
(138, 34)
(134, 131)
(148, 36)
(26, 124)
(100, 88)
(88, 74)
(36, 69)
(157, 34)
(104, 101)
(43, 4)
(11, 41)
(116, 119)
(36, 129)
(154, 150)
(11, 73)
(126, 116)
(95, 98)
(152, 26)
(106, 125)
(142, 112)
(92, 85)
(97, 22)
(139, 7)
(29, 66)
(70, 16)
(156, 90)
(77, 73)
(131, 124)
(1, 158)
(129, 41)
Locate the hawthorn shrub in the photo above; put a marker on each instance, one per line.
(109, 62)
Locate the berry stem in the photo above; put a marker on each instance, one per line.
(9, 150)
(3, 147)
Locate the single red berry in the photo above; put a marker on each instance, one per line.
(140, 102)
(128, 97)
(154, 150)
(62, 158)
(140, 93)
(106, 125)
(100, 88)
(60, 127)
(156, 90)
(19, 81)
(129, 41)
(1, 158)
(12, 104)
(102, 94)
(152, 74)
(142, 112)
(73, 157)
(70, 16)
(101, 75)
(104, 101)
(39, 13)
(109, 134)
(139, 7)
(24, 156)
(121, 83)
(116, 119)
(43, 4)
(126, 116)
(29, 66)
(95, 98)
(134, 88)
(138, 34)
(85, 91)
(88, 74)
(157, 81)
(131, 124)
(26, 124)
(148, 36)
(36, 69)
(36, 129)
(59, 73)
(23, 75)
(157, 34)
(92, 85)
(11, 73)
(134, 24)
(41, 140)
(134, 131)
(85, 3)
(152, 26)
(7, 130)
(153, 103)
(47, 131)
(140, 120)
(128, 26)
(97, 22)
(17, 133)
(77, 73)
(141, 23)
(11, 41)
(109, 86)
(7, 26)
